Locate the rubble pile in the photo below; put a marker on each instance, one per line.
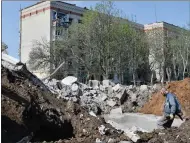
(180, 88)
(101, 97)
(31, 114)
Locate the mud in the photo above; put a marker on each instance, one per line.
(37, 115)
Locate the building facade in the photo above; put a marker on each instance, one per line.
(158, 36)
(40, 22)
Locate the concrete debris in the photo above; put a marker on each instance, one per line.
(122, 96)
(92, 113)
(111, 103)
(98, 140)
(116, 111)
(100, 97)
(116, 87)
(102, 129)
(134, 137)
(69, 80)
(94, 84)
(143, 87)
(106, 83)
(40, 112)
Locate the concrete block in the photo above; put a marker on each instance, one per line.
(110, 90)
(122, 96)
(116, 111)
(101, 130)
(69, 80)
(106, 83)
(116, 87)
(94, 84)
(111, 103)
(104, 97)
(74, 87)
(134, 137)
(143, 87)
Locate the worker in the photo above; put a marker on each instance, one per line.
(172, 107)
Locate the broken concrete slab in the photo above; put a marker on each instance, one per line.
(122, 96)
(69, 80)
(111, 103)
(9, 59)
(116, 111)
(101, 130)
(106, 83)
(134, 137)
(116, 88)
(104, 97)
(142, 121)
(143, 87)
(94, 84)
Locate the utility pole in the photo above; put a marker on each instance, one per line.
(189, 14)
(155, 12)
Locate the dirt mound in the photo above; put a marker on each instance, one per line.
(32, 114)
(180, 88)
(172, 135)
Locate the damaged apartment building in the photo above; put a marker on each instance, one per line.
(46, 17)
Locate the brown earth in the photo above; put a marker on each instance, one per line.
(180, 88)
(29, 112)
(172, 135)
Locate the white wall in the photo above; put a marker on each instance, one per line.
(34, 27)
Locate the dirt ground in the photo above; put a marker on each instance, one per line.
(38, 116)
(172, 135)
(28, 113)
(180, 88)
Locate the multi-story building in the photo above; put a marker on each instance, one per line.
(159, 34)
(40, 21)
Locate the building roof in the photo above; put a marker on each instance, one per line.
(32, 5)
(166, 23)
(45, 1)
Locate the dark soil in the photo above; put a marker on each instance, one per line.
(172, 135)
(29, 112)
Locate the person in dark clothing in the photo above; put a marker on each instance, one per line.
(172, 107)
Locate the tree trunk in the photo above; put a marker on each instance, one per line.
(151, 80)
(134, 80)
(168, 72)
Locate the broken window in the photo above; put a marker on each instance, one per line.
(54, 15)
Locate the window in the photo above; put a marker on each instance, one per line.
(70, 20)
(54, 15)
(79, 21)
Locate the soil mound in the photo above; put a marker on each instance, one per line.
(30, 114)
(180, 88)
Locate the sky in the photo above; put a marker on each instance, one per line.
(174, 12)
